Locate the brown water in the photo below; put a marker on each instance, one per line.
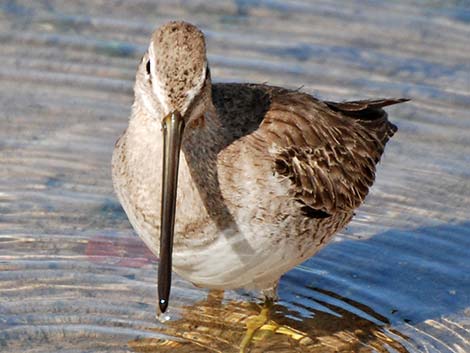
(74, 276)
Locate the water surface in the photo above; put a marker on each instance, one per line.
(74, 276)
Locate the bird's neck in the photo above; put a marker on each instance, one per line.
(198, 180)
(202, 147)
(144, 155)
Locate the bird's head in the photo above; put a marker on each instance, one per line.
(174, 73)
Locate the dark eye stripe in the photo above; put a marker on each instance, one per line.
(148, 67)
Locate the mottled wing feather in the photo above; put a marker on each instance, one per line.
(328, 150)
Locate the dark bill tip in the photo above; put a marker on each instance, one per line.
(163, 305)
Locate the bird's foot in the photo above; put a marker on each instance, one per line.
(261, 327)
(254, 323)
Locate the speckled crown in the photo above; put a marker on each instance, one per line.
(179, 67)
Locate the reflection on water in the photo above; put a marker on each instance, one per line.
(75, 278)
(216, 326)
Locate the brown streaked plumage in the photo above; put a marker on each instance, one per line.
(267, 175)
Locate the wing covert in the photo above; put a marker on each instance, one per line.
(327, 150)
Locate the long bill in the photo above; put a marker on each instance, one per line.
(173, 126)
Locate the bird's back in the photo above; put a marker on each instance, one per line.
(327, 150)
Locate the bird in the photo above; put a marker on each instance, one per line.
(231, 185)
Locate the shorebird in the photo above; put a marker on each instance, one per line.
(267, 175)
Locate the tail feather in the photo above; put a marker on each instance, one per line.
(362, 105)
(365, 109)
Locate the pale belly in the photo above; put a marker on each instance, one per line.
(247, 259)
(254, 257)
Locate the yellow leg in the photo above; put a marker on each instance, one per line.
(254, 323)
(261, 327)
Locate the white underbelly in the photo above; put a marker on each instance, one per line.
(254, 257)
(247, 259)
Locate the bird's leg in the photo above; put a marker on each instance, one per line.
(254, 323)
(261, 326)
(270, 293)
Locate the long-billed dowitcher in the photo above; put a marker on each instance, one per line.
(268, 175)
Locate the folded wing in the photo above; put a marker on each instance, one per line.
(327, 150)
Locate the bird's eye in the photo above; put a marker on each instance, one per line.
(148, 67)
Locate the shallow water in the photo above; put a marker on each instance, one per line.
(74, 276)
